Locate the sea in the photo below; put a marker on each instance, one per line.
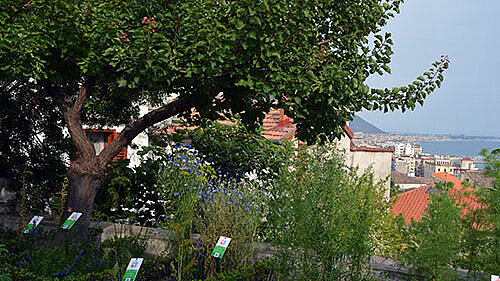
(459, 148)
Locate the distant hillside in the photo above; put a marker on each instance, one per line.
(359, 124)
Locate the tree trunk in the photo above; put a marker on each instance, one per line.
(83, 185)
(87, 173)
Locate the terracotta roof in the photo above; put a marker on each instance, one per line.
(278, 126)
(348, 131)
(412, 204)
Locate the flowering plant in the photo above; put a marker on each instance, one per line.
(202, 204)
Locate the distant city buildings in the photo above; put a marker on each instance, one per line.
(411, 160)
(405, 164)
(404, 149)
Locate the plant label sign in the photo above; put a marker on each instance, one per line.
(132, 269)
(34, 222)
(220, 247)
(71, 220)
(495, 278)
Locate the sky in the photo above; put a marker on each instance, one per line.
(468, 102)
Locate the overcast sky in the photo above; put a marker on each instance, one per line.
(468, 102)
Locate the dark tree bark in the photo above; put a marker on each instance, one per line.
(83, 185)
(88, 171)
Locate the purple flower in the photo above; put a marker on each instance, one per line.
(176, 193)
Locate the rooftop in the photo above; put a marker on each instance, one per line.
(413, 203)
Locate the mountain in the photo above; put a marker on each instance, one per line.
(359, 124)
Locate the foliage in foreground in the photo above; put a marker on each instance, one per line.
(452, 235)
(321, 215)
(31, 258)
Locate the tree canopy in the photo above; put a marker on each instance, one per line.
(311, 58)
(96, 62)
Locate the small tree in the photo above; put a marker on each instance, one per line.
(435, 244)
(491, 203)
(96, 61)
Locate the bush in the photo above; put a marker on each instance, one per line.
(210, 203)
(238, 150)
(435, 244)
(261, 271)
(30, 258)
(320, 217)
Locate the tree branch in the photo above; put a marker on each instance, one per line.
(132, 130)
(72, 115)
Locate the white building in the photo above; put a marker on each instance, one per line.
(378, 160)
(404, 149)
(103, 136)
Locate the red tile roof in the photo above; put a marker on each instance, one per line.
(412, 204)
(348, 131)
(278, 126)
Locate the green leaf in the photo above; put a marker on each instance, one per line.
(239, 24)
(122, 83)
(386, 68)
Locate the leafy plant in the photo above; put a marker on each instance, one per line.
(491, 205)
(266, 269)
(237, 149)
(200, 200)
(435, 247)
(321, 216)
(4, 276)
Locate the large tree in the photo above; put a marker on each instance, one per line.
(96, 61)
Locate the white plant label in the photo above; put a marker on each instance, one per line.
(34, 222)
(220, 247)
(71, 220)
(132, 269)
(495, 278)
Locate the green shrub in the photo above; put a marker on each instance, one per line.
(237, 149)
(265, 270)
(4, 276)
(435, 240)
(33, 259)
(321, 216)
(200, 200)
